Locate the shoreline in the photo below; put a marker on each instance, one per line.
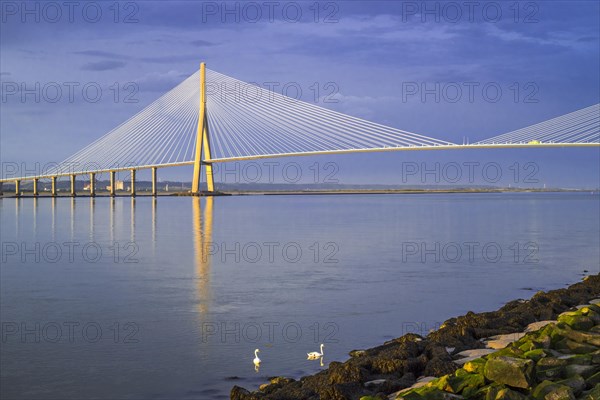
(300, 192)
(382, 371)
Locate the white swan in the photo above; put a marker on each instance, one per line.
(256, 360)
(314, 355)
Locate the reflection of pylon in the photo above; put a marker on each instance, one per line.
(202, 243)
(202, 141)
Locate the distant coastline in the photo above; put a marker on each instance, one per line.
(143, 188)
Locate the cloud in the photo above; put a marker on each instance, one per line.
(161, 82)
(169, 59)
(99, 53)
(202, 43)
(103, 65)
(560, 38)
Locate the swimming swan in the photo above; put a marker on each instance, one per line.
(314, 355)
(256, 360)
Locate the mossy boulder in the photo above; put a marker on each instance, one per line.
(459, 381)
(593, 394)
(509, 351)
(508, 394)
(536, 354)
(550, 368)
(514, 372)
(593, 380)
(475, 366)
(577, 320)
(576, 383)
(552, 391)
(584, 370)
(427, 393)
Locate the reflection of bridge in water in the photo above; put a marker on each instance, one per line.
(212, 118)
(202, 239)
(201, 226)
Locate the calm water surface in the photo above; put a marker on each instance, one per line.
(168, 298)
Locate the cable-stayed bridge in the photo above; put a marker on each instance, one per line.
(211, 118)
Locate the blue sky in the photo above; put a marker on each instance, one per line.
(544, 56)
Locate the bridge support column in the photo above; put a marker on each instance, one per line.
(17, 188)
(112, 183)
(133, 182)
(154, 181)
(92, 184)
(210, 180)
(73, 191)
(35, 187)
(53, 186)
(202, 141)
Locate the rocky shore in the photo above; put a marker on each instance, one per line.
(550, 350)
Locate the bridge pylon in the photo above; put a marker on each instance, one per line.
(203, 155)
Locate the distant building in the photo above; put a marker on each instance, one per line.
(119, 185)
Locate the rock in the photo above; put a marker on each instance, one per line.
(576, 383)
(280, 380)
(552, 391)
(550, 368)
(593, 380)
(463, 361)
(514, 372)
(592, 394)
(439, 367)
(536, 354)
(576, 320)
(590, 338)
(581, 359)
(501, 341)
(576, 347)
(375, 382)
(460, 380)
(239, 393)
(595, 357)
(422, 381)
(475, 366)
(584, 370)
(344, 373)
(340, 391)
(508, 394)
(389, 365)
(429, 393)
(475, 353)
(357, 353)
(509, 351)
(534, 326)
